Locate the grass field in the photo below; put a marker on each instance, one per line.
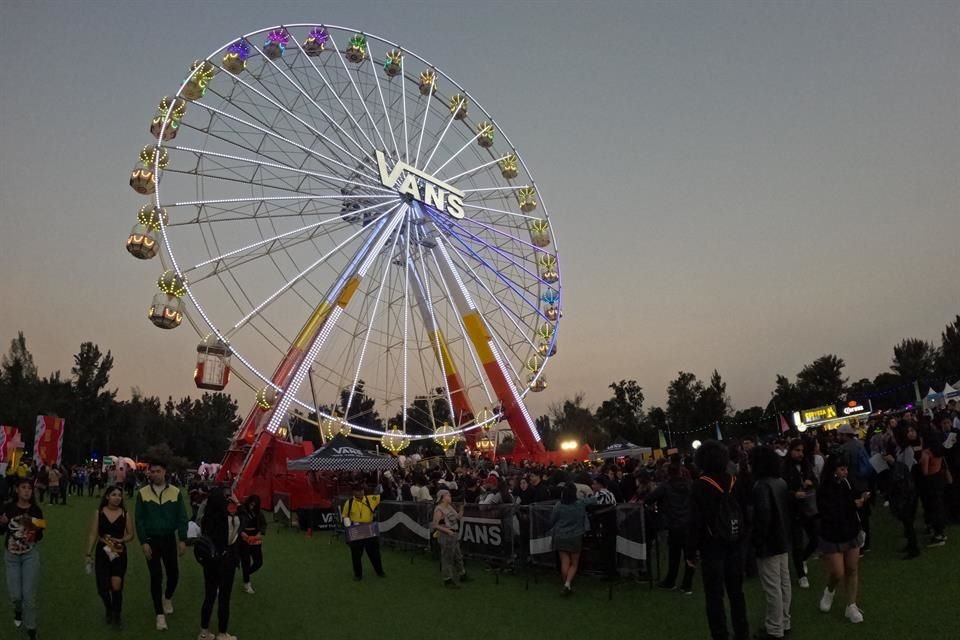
(306, 590)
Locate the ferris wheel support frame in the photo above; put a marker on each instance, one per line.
(514, 409)
(257, 431)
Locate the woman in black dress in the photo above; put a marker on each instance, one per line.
(220, 526)
(110, 532)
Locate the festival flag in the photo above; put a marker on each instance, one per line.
(784, 427)
(48, 442)
(6, 435)
(663, 440)
(719, 433)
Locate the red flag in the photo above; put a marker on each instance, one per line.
(784, 427)
(6, 435)
(48, 442)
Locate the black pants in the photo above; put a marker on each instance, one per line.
(105, 570)
(931, 493)
(864, 513)
(251, 559)
(676, 541)
(164, 553)
(907, 518)
(804, 527)
(372, 547)
(722, 569)
(218, 576)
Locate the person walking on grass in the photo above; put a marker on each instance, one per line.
(802, 482)
(217, 553)
(253, 526)
(840, 534)
(24, 525)
(772, 538)
(446, 524)
(110, 532)
(567, 524)
(715, 540)
(161, 516)
(673, 500)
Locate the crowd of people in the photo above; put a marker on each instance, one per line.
(728, 510)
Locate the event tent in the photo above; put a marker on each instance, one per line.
(340, 454)
(621, 448)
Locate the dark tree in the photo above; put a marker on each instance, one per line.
(914, 359)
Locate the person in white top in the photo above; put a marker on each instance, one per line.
(420, 491)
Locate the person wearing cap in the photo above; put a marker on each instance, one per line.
(446, 526)
(361, 509)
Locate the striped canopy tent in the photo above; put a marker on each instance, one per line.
(340, 454)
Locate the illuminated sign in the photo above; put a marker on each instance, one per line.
(820, 413)
(853, 406)
(429, 190)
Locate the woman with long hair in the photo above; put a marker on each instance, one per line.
(220, 526)
(840, 534)
(801, 479)
(110, 532)
(253, 526)
(24, 525)
(567, 524)
(902, 453)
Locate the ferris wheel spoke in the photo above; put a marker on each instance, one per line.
(423, 122)
(310, 99)
(275, 165)
(501, 232)
(386, 111)
(286, 286)
(444, 229)
(357, 90)
(310, 152)
(192, 203)
(479, 167)
(502, 211)
(278, 105)
(436, 145)
(403, 97)
(457, 153)
(280, 236)
(388, 260)
(406, 320)
(509, 256)
(507, 188)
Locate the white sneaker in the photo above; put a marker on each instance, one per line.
(161, 623)
(826, 602)
(225, 636)
(853, 614)
(167, 606)
(248, 587)
(804, 582)
(205, 635)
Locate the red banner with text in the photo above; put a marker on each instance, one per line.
(48, 443)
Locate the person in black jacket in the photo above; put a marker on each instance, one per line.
(772, 538)
(673, 497)
(802, 483)
(220, 525)
(253, 526)
(840, 533)
(715, 538)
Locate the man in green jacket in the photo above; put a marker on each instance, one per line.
(161, 517)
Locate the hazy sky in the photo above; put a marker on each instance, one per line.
(734, 185)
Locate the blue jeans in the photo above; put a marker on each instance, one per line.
(23, 577)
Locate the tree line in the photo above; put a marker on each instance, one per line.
(193, 430)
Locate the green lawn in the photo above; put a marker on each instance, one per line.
(306, 588)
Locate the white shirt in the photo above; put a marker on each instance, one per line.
(420, 494)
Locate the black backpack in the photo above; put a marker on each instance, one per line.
(727, 523)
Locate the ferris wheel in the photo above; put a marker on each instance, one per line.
(335, 217)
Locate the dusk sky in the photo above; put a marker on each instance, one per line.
(734, 185)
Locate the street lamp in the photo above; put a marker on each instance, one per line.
(696, 444)
(568, 445)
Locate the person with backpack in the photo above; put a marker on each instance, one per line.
(772, 538)
(714, 540)
(901, 456)
(841, 535)
(216, 550)
(673, 499)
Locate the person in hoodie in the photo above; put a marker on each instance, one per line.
(715, 540)
(673, 498)
(772, 538)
